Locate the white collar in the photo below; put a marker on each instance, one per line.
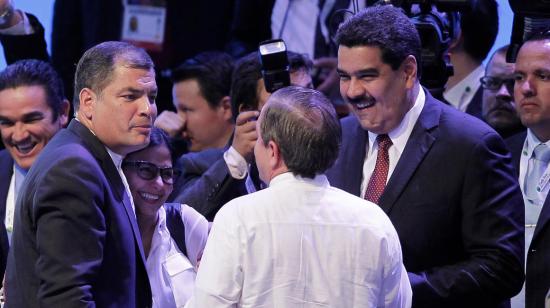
(462, 93)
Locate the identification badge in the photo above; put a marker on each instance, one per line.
(144, 23)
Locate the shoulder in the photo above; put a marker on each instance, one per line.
(201, 160)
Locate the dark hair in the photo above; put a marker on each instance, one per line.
(95, 68)
(540, 34)
(479, 28)
(212, 70)
(35, 73)
(247, 72)
(158, 137)
(304, 124)
(386, 28)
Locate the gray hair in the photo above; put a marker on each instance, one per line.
(95, 68)
(304, 125)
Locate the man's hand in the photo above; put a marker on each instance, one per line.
(245, 134)
(9, 16)
(170, 122)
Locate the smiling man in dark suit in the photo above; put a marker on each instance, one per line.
(443, 177)
(75, 240)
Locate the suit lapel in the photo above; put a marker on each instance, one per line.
(99, 151)
(6, 172)
(544, 218)
(420, 141)
(354, 158)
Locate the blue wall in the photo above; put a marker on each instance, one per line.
(43, 9)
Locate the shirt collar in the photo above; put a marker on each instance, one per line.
(401, 133)
(530, 143)
(462, 93)
(117, 158)
(289, 177)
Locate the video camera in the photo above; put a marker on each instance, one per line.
(529, 16)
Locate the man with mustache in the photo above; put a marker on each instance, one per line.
(75, 241)
(498, 106)
(444, 178)
(531, 155)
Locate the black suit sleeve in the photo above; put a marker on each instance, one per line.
(32, 46)
(492, 237)
(70, 232)
(206, 183)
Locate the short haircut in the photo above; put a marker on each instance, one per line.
(26, 73)
(304, 125)
(501, 50)
(212, 70)
(95, 68)
(248, 70)
(479, 27)
(542, 34)
(159, 138)
(386, 28)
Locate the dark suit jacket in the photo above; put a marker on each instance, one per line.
(474, 107)
(537, 276)
(6, 172)
(455, 203)
(206, 184)
(75, 242)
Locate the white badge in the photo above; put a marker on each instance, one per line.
(144, 25)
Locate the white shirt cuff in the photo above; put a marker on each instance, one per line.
(235, 163)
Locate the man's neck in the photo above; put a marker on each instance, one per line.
(463, 65)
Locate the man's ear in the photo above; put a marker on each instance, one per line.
(275, 158)
(87, 99)
(225, 108)
(64, 112)
(410, 68)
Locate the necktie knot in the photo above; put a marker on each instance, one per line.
(542, 153)
(384, 142)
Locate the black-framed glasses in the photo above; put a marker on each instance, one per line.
(494, 83)
(149, 171)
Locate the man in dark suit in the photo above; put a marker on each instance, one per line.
(531, 155)
(444, 178)
(214, 177)
(75, 240)
(473, 38)
(33, 109)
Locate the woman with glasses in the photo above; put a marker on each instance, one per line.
(171, 268)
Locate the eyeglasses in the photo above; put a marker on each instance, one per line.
(494, 83)
(149, 171)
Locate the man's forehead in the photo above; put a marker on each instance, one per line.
(498, 65)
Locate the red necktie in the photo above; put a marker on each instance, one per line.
(377, 181)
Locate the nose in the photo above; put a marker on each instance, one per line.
(526, 88)
(354, 89)
(148, 107)
(20, 132)
(503, 92)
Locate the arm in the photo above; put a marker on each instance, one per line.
(69, 204)
(220, 279)
(196, 233)
(492, 236)
(21, 45)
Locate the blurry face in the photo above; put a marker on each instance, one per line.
(26, 122)
(498, 107)
(205, 127)
(378, 95)
(532, 87)
(148, 195)
(300, 78)
(122, 115)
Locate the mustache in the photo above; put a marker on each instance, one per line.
(364, 100)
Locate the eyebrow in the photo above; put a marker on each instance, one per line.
(137, 91)
(26, 116)
(367, 71)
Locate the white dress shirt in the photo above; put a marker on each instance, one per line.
(464, 91)
(172, 274)
(399, 137)
(301, 243)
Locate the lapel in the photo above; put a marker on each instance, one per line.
(106, 162)
(543, 220)
(420, 141)
(353, 156)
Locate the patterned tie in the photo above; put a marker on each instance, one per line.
(537, 166)
(377, 181)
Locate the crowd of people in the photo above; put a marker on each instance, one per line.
(233, 196)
